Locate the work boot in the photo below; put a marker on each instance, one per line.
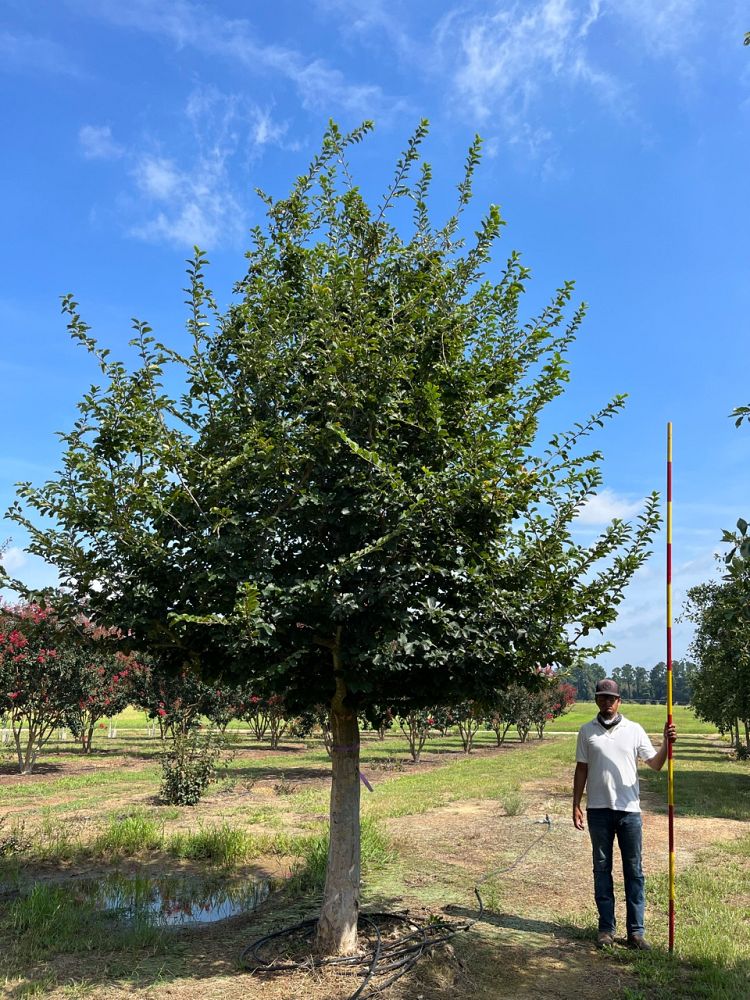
(605, 939)
(638, 942)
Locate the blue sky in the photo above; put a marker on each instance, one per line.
(616, 139)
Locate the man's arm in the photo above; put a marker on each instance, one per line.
(579, 783)
(656, 762)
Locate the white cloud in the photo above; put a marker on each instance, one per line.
(158, 178)
(507, 63)
(97, 143)
(375, 21)
(196, 202)
(29, 54)
(196, 206)
(13, 559)
(507, 57)
(605, 505)
(191, 198)
(510, 61)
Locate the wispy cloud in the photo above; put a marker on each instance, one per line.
(24, 53)
(606, 505)
(191, 25)
(193, 206)
(377, 22)
(189, 194)
(97, 143)
(638, 634)
(663, 27)
(510, 61)
(507, 58)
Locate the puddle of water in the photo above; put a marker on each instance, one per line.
(170, 900)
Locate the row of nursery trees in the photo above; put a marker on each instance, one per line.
(53, 676)
(60, 673)
(638, 683)
(348, 498)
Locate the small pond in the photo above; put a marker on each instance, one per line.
(170, 900)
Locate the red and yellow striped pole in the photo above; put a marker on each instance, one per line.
(670, 762)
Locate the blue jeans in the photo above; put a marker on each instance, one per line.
(604, 825)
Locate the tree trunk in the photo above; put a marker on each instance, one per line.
(747, 734)
(337, 926)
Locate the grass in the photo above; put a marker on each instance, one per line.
(50, 919)
(712, 939)
(226, 845)
(705, 784)
(651, 717)
(308, 876)
(129, 835)
(108, 814)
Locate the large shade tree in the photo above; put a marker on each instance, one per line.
(346, 502)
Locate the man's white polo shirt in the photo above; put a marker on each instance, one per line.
(612, 756)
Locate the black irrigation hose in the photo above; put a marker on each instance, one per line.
(396, 957)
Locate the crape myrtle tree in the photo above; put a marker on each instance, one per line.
(102, 686)
(347, 504)
(39, 669)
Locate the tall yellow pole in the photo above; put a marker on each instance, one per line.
(670, 761)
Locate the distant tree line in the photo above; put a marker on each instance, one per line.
(637, 683)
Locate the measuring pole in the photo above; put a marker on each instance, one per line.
(670, 762)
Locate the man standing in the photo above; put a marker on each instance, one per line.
(607, 762)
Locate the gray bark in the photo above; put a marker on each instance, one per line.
(337, 926)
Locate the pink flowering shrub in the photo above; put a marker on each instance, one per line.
(104, 682)
(38, 665)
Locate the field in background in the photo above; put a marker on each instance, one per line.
(651, 717)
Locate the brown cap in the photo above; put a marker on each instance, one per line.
(607, 686)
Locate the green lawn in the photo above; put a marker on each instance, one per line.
(651, 717)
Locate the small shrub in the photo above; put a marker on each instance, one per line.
(189, 766)
(284, 787)
(386, 764)
(14, 840)
(513, 803)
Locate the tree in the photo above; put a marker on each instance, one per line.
(583, 677)
(555, 699)
(39, 668)
(721, 645)
(641, 685)
(658, 679)
(628, 681)
(101, 687)
(347, 504)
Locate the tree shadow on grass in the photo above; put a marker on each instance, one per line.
(40, 770)
(706, 793)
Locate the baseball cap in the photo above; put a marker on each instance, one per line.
(608, 686)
